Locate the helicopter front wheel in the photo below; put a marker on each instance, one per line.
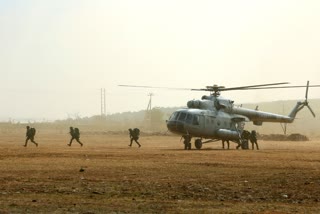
(198, 143)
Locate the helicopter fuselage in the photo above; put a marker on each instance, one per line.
(207, 118)
(217, 118)
(201, 123)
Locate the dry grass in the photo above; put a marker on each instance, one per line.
(160, 177)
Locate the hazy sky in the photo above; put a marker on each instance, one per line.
(56, 55)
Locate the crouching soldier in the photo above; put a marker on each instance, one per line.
(31, 132)
(245, 136)
(134, 136)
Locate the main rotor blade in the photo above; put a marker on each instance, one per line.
(294, 86)
(200, 89)
(252, 86)
(221, 88)
(145, 86)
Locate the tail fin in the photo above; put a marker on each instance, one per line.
(301, 105)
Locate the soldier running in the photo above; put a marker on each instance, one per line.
(253, 139)
(31, 132)
(75, 135)
(134, 136)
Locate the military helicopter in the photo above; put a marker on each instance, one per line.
(215, 118)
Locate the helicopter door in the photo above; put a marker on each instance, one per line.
(201, 120)
(240, 126)
(209, 124)
(198, 122)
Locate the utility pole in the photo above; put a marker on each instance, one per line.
(150, 101)
(149, 107)
(103, 102)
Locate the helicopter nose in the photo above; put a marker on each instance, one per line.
(176, 126)
(171, 125)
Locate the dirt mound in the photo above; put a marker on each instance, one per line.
(281, 137)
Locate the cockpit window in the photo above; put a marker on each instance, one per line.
(174, 116)
(196, 120)
(182, 116)
(189, 118)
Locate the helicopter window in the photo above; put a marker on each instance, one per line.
(218, 123)
(174, 116)
(182, 116)
(196, 120)
(189, 118)
(177, 116)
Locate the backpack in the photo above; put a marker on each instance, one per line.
(76, 133)
(32, 132)
(253, 136)
(136, 132)
(245, 135)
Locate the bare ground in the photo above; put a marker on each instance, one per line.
(107, 176)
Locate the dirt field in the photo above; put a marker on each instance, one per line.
(107, 176)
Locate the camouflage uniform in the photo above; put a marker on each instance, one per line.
(253, 139)
(31, 132)
(245, 136)
(186, 142)
(134, 136)
(75, 135)
(227, 143)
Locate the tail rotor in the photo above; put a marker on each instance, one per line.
(306, 103)
(307, 90)
(314, 115)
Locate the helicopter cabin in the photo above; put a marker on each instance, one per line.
(198, 122)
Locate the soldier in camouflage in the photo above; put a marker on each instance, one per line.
(75, 135)
(31, 132)
(253, 139)
(134, 136)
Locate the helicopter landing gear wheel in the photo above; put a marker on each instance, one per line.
(198, 143)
